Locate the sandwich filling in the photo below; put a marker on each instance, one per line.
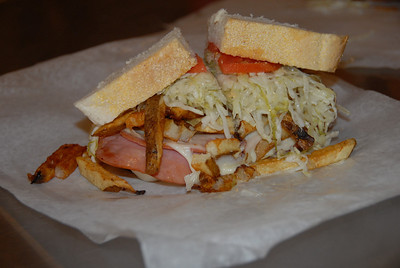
(167, 116)
(225, 123)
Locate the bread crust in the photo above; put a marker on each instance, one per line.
(144, 76)
(263, 39)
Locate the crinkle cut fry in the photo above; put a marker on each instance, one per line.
(59, 164)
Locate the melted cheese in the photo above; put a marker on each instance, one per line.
(186, 151)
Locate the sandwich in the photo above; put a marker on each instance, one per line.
(155, 113)
(247, 110)
(283, 116)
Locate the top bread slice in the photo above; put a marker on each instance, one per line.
(143, 76)
(266, 40)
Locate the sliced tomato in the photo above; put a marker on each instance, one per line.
(213, 48)
(237, 65)
(200, 67)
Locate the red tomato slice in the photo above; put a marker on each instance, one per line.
(238, 65)
(200, 67)
(213, 48)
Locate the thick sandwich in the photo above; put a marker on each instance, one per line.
(282, 115)
(118, 108)
(154, 114)
(167, 118)
(250, 112)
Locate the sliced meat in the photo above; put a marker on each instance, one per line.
(197, 142)
(120, 152)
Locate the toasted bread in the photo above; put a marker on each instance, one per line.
(267, 40)
(142, 77)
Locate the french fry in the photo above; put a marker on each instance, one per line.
(135, 120)
(181, 114)
(154, 133)
(323, 157)
(320, 158)
(206, 164)
(199, 163)
(225, 182)
(331, 154)
(300, 135)
(172, 131)
(244, 129)
(102, 178)
(262, 148)
(59, 164)
(206, 129)
(223, 146)
(186, 133)
(273, 165)
(213, 167)
(114, 126)
(209, 184)
(177, 131)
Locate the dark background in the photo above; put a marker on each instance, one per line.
(36, 30)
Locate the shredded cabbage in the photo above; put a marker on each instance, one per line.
(202, 93)
(262, 99)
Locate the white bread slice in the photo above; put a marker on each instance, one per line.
(263, 39)
(143, 76)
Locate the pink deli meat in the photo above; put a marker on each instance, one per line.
(118, 151)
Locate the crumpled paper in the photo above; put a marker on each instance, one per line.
(372, 26)
(176, 228)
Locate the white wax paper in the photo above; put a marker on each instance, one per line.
(373, 27)
(175, 228)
